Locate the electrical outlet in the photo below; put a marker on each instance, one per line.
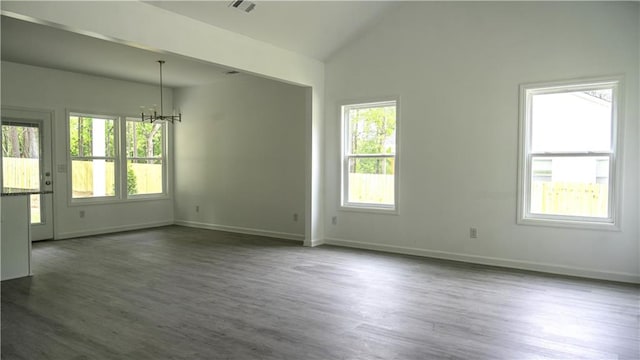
(81, 214)
(197, 208)
(295, 217)
(473, 233)
(334, 220)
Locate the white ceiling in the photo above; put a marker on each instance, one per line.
(313, 28)
(34, 44)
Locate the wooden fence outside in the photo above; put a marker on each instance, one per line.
(376, 188)
(21, 173)
(558, 198)
(563, 198)
(547, 197)
(148, 177)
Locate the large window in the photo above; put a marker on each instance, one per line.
(568, 154)
(93, 156)
(145, 157)
(369, 173)
(105, 168)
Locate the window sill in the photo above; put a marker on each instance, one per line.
(108, 201)
(370, 209)
(569, 224)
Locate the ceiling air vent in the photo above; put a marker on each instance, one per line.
(243, 5)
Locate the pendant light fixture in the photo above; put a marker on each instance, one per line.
(154, 116)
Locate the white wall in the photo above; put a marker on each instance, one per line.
(134, 23)
(240, 156)
(457, 68)
(60, 91)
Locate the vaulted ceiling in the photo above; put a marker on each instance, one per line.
(315, 29)
(312, 28)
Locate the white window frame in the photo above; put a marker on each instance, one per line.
(120, 163)
(525, 216)
(163, 159)
(345, 156)
(116, 159)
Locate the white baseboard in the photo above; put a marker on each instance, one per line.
(111, 229)
(314, 242)
(474, 259)
(485, 260)
(241, 230)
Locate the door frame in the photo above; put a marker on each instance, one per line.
(44, 119)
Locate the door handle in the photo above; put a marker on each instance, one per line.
(48, 182)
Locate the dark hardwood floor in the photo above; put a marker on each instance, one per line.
(182, 293)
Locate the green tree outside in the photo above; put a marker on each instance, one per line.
(373, 133)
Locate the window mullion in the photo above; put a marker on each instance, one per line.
(364, 156)
(93, 158)
(571, 154)
(122, 157)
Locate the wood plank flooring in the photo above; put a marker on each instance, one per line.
(182, 293)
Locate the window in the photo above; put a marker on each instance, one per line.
(369, 173)
(93, 156)
(98, 169)
(568, 154)
(22, 162)
(145, 157)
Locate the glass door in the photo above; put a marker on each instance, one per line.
(26, 165)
